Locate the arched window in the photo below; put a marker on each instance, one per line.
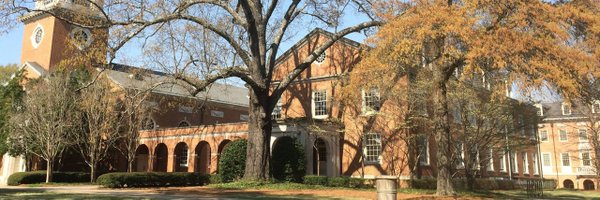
(183, 124)
(148, 124)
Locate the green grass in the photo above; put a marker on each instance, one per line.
(241, 185)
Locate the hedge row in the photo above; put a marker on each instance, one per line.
(338, 181)
(40, 177)
(480, 184)
(152, 179)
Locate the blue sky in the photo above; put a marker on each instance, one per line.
(10, 44)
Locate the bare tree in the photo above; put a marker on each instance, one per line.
(102, 124)
(49, 118)
(252, 31)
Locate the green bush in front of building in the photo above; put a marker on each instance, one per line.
(40, 177)
(288, 162)
(232, 161)
(152, 179)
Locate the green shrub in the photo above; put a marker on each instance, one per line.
(215, 178)
(357, 183)
(152, 179)
(341, 181)
(288, 162)
(40, 177)
(315, 180)
(423, 183)
(233, 161)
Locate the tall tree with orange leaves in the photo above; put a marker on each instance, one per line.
(526, 43)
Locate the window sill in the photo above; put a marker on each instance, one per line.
(372, 162)
(321, 117)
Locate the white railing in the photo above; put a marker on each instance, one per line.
(71, 4)
(586, 171)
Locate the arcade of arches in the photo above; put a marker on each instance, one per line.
(191, 150)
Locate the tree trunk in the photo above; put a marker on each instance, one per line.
(259, 139)
(93, 173)
(130, 164)
(442, 134)
(49, 163)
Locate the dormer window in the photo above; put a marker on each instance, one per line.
(566, 109)
(596, 107)
(540, 109)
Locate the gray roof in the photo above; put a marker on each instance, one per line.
(143, 79)
(553, 111)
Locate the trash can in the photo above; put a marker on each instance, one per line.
(387, 187)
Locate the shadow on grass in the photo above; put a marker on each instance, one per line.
(43, 193)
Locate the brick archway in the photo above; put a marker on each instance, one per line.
(202, 161)
(181, 155)
(161, 157)
(142, 155)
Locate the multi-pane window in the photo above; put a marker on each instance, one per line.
(513, 163)
(535, 163)
(183, 157)
(371, 100)
(502, 162)
(596, 107)
(459, 155)
(585, 159)
(148, 124)
(320, 103)
(562, 135)
(544, 135)
(372, 148)
(525, 162)
(546, 160)
(566, 109)
(540, 109)
(183, 124)
(277, 110)
(423, 150)
(566, 161)
(490, 165)
(583, 136)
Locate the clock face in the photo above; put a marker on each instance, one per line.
(81, 37)
(37, 36)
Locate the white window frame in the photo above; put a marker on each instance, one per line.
(525, 162)
(461, 152)
(562, 163)
(549, 163)
(502, 162)
(372, 145)
(244, 117)
(535, 163)
(424, 145)
(596, 102)
(276, 114)
(569, 109)
(585, 139)
(183, 121)
(589, 158)
(545, 132)
(514, 165)
(184, 162)
(367, 110)
(560, 135)
(314, 104)
(186, 109)
(540, 109)
(490, 166)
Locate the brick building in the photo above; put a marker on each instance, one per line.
(566, 147)
(189, 133)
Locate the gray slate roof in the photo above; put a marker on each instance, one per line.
(553, 111)
(144, 79)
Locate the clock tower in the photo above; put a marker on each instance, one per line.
(49, 41)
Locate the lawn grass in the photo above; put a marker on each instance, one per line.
(243, 185)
